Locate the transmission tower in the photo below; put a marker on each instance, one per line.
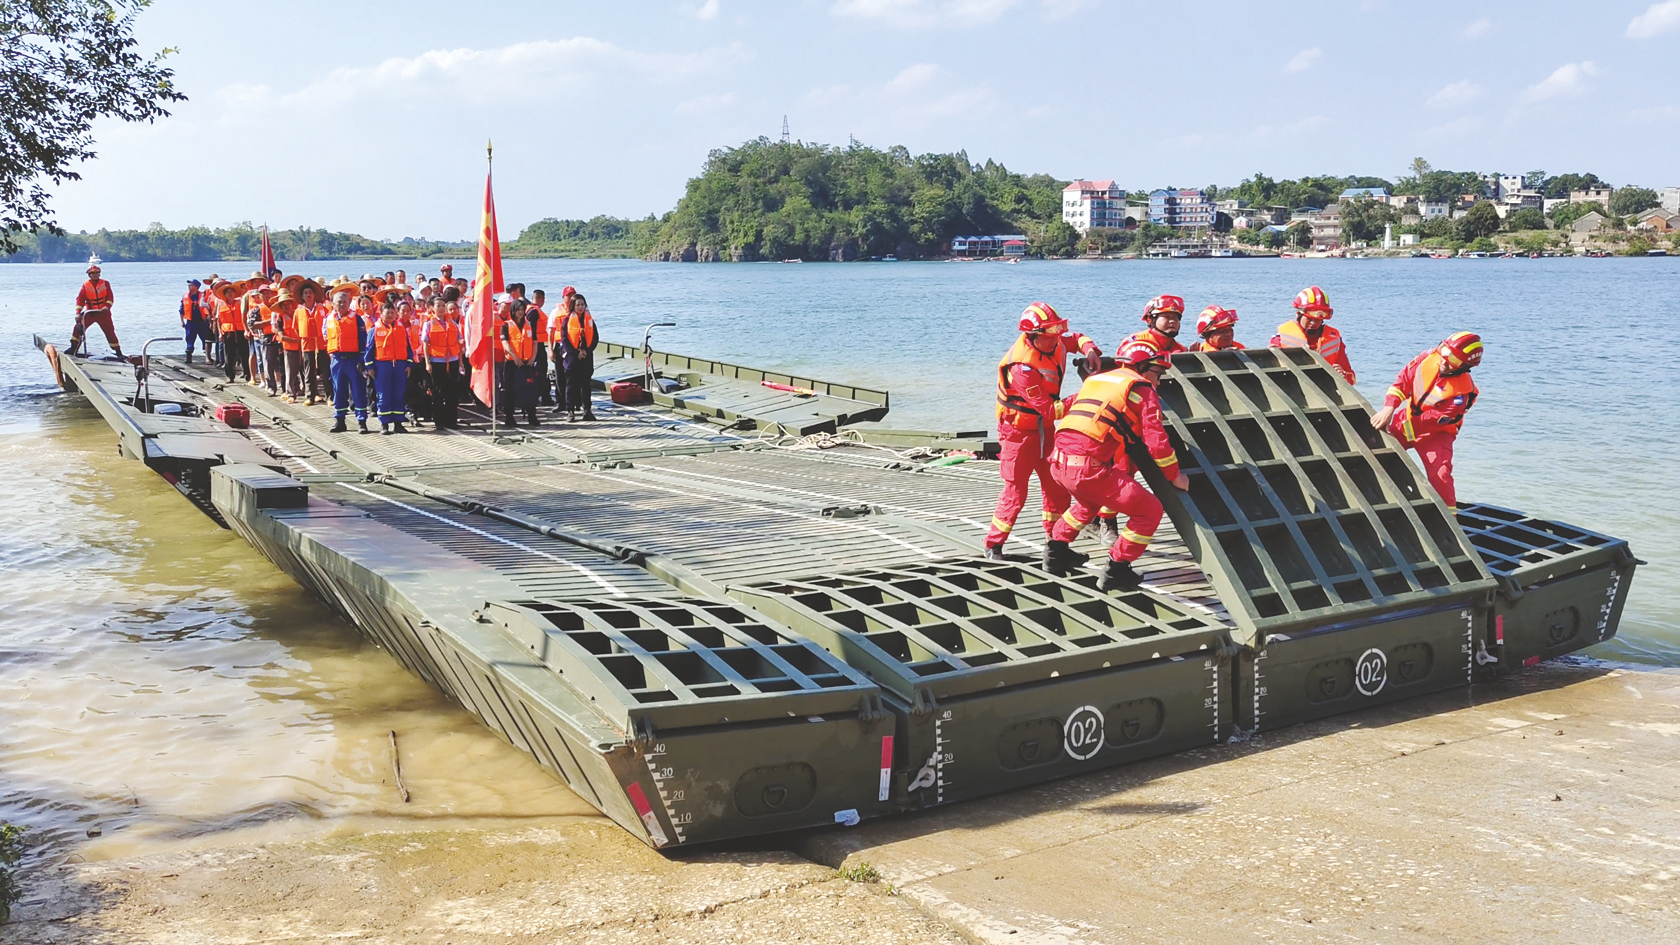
(786, 138)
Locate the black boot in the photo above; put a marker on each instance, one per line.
(1119, 576)
(993, 553)
(1059, 559)
(361, 422)
(189, 355)
(339, 427)
(398, 427)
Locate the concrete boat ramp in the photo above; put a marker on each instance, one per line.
(724, 614)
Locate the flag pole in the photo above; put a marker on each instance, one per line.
(496, 336)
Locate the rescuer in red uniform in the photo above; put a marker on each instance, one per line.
(1312, 310)
(1029, 388)
(1162, 318)
(1218, 328)
(93, 307)
(1426, 405)
(1112, 410)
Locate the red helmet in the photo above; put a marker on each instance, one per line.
(1040, 319)
(1312, 300)
(1141, 355)
(1214, 318)
(1462, 350)
(1162, 303)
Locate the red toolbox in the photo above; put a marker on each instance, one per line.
(237, 416)
(626, 392)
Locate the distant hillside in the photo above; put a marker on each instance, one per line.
(599, 238)
(769, 200)
(202, 244)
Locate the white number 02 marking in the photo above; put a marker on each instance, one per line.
(1082, 735)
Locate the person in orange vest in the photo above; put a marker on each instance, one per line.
(1218, 328)
(93, 307)
(195, 318)
(545, 390)
(1111, 411)
(440, 339)
(518, 369)
(556, 327)
(1162, 318)
(250, 301)
(387, 361)
(311, 328)
(236, 348)
(1425, 407)
(417, 394)
(1308, 330)
(1029, 390)
(346, 341)
(578, 338)
(265, 339)
(283, 312)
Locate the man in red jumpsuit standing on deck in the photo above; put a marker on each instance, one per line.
(1029, 390)
(1312, 310)
(93, 307)
(1112, 410)
(1426, 405)
(1163, 316)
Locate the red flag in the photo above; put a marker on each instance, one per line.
(482, 340)
(267, 264)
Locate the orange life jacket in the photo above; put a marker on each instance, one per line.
(285, 325)
(541, 332)
(443, 340)
(1437, 402)
(261, 320)
(341, 333)
(95, 296)
(1107, 408)
(1204, 346)
(1012, 407)
(521, 342)
(227, 316)
(192, 308)
(413, 334)
(1290, 334)
(390, 343)
(580, 330)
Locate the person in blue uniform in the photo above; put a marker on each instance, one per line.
(388, 355)
(346, 340)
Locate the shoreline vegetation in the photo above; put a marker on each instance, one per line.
(774, 200)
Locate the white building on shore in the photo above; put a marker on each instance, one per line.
(1093, 203)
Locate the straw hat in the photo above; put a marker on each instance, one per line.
(384, 292)
(224, 290)
(344, 285)
(282, 297)
(320, 290)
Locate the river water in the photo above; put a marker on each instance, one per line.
(161, 683)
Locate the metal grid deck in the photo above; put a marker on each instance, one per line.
(959, 627)
(683, 662)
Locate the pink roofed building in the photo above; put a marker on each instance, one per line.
(1093, 203)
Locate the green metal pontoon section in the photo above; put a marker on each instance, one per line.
(709, 635)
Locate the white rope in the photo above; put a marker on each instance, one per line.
(775, 439)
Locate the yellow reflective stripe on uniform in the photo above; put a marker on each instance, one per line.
(1049, 516)
(1127, 534)
(1106, 512)
(1072, 521)
(1397, 392)
(1167, 460)
(1002, 525)
(1134, 397)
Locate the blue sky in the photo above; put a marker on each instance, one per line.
(371, 117)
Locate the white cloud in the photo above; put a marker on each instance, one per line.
(521, 72)
(1478, 29)
(1456, 94)
(1567, 79)
(1304, 59)
(1656, 115)
(708, 10)
(917, 75)
(1456, 128)
(705, 104)
(922, 13)
(1312, 123)
(1659, 18)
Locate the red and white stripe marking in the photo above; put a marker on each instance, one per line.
(644, 810)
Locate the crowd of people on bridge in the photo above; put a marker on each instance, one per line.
(1078, 446)
(378, 344)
